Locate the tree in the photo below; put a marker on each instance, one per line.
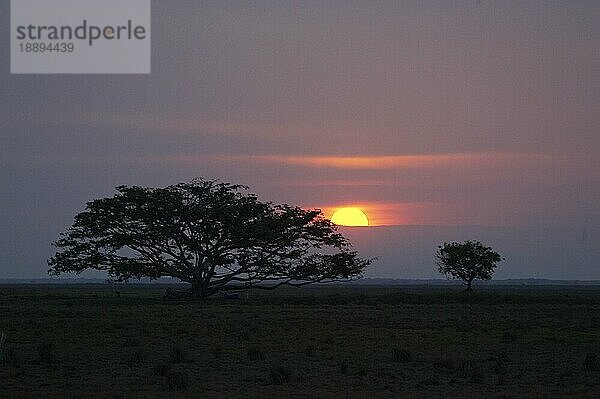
(467, 261)
(210, 234)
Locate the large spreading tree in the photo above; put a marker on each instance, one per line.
(467, 261)
(211, 234)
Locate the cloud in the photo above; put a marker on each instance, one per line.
(421, 161)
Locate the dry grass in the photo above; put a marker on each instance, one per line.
(331, 342)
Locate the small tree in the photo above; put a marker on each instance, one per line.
(467, 261)
(210, 234)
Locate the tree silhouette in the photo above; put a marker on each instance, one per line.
(210, 234)
(467, 261)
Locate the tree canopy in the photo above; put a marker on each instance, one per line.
(467, 261)
(214, 235)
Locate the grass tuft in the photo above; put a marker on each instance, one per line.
(244, 336)
(279, 375)
(362, 370)
(468, 370)
(591, 362)
(401, 355)
(136, 356)
(509, 336)
(178, 354)
(162, 369)
(444, 363)
(254, 354)
(130, 342)
(310, 350)
(178, 381)
(218, 352)
(344, 368)
(2, 345)
(46, 352)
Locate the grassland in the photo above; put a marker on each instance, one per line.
(422, 342)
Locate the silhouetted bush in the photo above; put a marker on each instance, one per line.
(132, 342)
(502, 356)
(500, 362)
(309, 350)
(464, 368)
(9, 355)
(218, 352)
(509, 336)
(161, 369)
(362, 370)
(501, 379)
(428, 382)
(279, 375)
(401, 355)
(2, 345)
(467, 369)
(566, 377)
(244, 336)
(591, 361)
(46, 352)
(136, 357)
(7, 352)
(445, 363)
(178, 354)
(254, 353)
(178, 381)
(344, 369)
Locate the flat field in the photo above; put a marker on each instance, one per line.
(85, 341)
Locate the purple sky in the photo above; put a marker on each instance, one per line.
(462, 119)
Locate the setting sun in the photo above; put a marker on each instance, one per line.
(350, 217)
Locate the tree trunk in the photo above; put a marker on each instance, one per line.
(198, 291)
(469, 286)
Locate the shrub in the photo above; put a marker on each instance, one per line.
(132, 342)
(444, 363)
(467, 370)
(161, 369)
(9, 355)
(244, 336)
(178, 381)
(344, 367)
(477, 376)
(309, 350)
(502, 356)
(566, 378)
(46, 352)
(178, 354)
(279, 375)
(428, 382)
(500, 362)
(509, 336)
(591, 361)
(2, 347)
(501, 379)
(218, 352)
(254, 354)
(401, 355)
(136, 357)
(362, 370)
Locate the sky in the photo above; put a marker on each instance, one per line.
(442, 120)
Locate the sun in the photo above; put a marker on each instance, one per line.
(350, 217)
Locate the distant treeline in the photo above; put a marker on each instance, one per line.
(364, 281)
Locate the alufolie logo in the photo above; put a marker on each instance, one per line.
(80, 36)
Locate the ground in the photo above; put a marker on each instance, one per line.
(339, 342)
